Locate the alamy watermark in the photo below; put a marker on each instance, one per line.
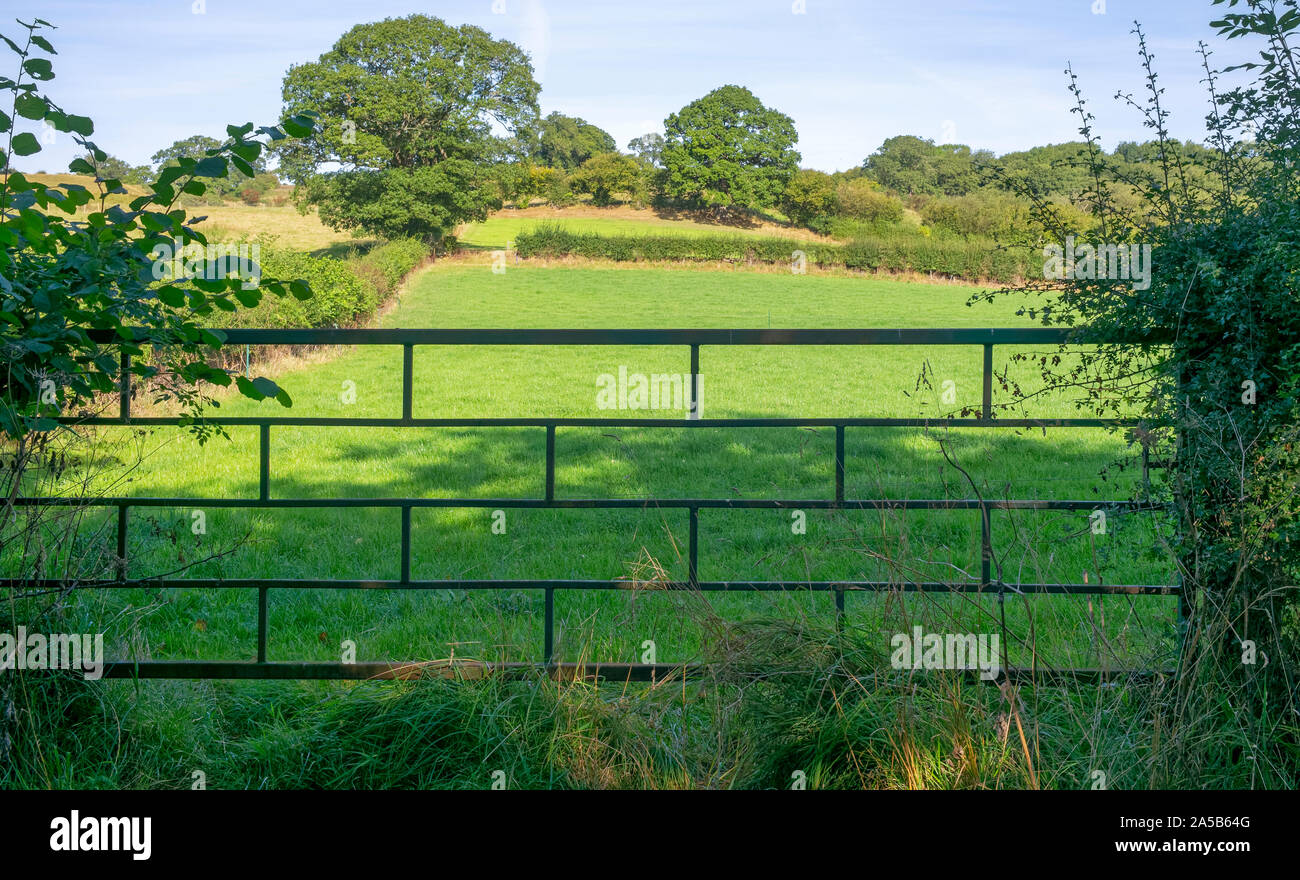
(922, 650)
(1113, 262)
(628, 390)
(26, 650)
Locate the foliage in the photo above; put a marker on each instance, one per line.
(566, 141)
(860, 199)
(195, 148)
(63, 280)
(911, 165)
(607, 175)
(809, 196)
(1212, 365)
(982, 213)
(974, 259)
(727, 150)
(649, 148)
(407, 108)
(346, 292)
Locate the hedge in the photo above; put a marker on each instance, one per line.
(972, 259)
(344, 292)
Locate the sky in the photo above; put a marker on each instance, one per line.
(851, 73)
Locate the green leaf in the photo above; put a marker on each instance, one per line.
(26, 144)
(244, 168)
(266, 387)
(297, 126)
(31, 106)
(43, 43)
(81, 125)
(172, 296)
(39, 68)
(5, 122)
(300, 289)
(211, 166)
(249, 389)
(81, 166)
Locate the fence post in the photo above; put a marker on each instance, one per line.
(263, 494)
(694, 411)
(408, 373)
(124, 388)
(121, 541)
(987, 408)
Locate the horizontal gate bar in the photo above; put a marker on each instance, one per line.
(604, 503)
(577, 422)
(646, 336)
(210, 669)
(1074, 589)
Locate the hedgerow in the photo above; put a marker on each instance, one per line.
(972, 259)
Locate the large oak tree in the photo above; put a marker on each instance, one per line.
(726, 150)
(416, 119)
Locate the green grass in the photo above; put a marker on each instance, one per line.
(505, 226)
(626, 463)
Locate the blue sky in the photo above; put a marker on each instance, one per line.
(851, 73)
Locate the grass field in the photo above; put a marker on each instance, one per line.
(503, 226)
(303, 232)
(626, 463)
(235, 220)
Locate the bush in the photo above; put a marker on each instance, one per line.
(391, 263)
(959, 258)
(984, 214)
(606, 176)
(345, 291)
(808, 197)
(860, 199)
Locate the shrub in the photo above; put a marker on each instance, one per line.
(391, 263)
(809, 196)
(860, 199)
(984, 213)
(345, 291)
(959, 258)
(608, 175)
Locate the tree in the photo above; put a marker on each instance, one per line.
(113, 168)
(408, 108)
(810, 195)
(196, 147)
(915, 166)
(192, 147)
(726, 150)
(567, 141)
(1056, 169)
(606, 175)
(649, 148)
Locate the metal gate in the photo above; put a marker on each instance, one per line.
(694, 340)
